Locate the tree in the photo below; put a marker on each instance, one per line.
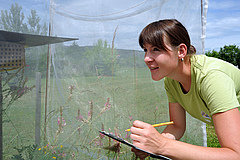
(13, 20)
(229, 53)
(34, 23)
(102, 60)
(212, 53)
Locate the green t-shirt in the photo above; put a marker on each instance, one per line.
(215, 87)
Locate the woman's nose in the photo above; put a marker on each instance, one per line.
(148, 58)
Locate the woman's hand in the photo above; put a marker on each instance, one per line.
(169, 135)
(146, 137)
(140, 154)
(143, 155)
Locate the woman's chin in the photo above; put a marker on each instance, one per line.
(156, 78)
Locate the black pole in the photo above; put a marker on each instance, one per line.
(1, 113)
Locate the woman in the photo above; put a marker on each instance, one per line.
(207, 88)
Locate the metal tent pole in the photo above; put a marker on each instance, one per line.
(1, 113)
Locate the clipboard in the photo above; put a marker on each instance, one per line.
(131, 145)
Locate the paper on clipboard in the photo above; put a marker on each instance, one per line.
(131, 145)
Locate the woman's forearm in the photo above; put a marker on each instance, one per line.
(180, 150)
(173, 132)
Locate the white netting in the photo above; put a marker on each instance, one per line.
(99, 81)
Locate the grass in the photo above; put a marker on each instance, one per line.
(132, 95)
(212, 140)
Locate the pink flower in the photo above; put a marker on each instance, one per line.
(73, 154)
(101, 135)
(62, 154)
(79, 117)
(127, 135)
(58, 120)
(98, 143)
(107, 105)
(90, 102)
(89, 113)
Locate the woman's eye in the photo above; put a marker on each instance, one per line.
(156, 49)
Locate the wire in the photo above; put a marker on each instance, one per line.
(129, 12)
(104, 14)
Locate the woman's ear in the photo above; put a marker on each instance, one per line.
(182, 51)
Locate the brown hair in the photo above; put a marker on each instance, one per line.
(169, 29)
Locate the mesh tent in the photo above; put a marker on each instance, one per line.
(98, 82)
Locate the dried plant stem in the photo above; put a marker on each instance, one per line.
(114, 36)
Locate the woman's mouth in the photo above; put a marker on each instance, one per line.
(153, 68)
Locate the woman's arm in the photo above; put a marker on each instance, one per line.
(178, 116)
(227, 128)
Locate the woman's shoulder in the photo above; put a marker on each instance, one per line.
(170, 82)
(209, 70)
(205, 65)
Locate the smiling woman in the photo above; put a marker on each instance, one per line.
(160, 43)
(193, 86)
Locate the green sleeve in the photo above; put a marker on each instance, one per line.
(218, 92)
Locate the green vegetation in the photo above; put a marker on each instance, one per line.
(229, 53)
(81, 131)
(90, 104)
(212, 140)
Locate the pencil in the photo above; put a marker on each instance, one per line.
(157, 125)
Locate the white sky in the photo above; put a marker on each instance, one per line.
(223, 24)
(223, 19)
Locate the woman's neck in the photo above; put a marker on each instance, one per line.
(183, 76)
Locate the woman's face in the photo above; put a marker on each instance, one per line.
(160, 62)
